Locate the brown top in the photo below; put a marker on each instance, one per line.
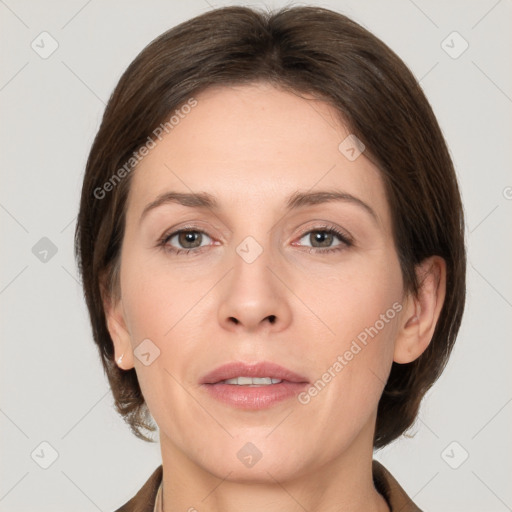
(398, 501)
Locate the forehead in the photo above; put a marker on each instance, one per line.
(254, 144)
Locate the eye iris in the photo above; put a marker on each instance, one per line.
(189, 237)
(324, 238)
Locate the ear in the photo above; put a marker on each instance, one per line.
(116, 324)
(421, 312)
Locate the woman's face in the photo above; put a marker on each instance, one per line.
(259, 274)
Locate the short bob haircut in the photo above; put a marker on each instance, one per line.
(304, 50)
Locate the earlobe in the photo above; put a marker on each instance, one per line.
(120, 335)
(421, 313)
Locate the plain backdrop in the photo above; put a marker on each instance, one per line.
(53, 391)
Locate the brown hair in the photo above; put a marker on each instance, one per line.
(305, 50)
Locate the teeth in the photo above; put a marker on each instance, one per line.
(252, 381)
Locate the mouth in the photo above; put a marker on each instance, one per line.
(253, 385)
(252, 374)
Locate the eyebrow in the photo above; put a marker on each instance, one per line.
(295, 201)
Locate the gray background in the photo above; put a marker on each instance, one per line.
(52, 388)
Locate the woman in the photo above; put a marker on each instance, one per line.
(271, 244)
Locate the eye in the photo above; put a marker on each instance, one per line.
(187, 240)
(327, 239)
(191, 241)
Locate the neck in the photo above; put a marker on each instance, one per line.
(342, 483)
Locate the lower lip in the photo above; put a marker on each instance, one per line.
(258, 397)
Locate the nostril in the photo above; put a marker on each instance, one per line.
(271, 319)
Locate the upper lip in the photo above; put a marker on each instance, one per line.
(256, 369)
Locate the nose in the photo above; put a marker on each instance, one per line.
(254, 296)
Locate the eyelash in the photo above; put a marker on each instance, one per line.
(344, 238)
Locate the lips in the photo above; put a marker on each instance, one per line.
(258, 369)
(218, 384)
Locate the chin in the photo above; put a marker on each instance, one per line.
(258, 460)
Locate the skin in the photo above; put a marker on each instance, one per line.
(251, 147)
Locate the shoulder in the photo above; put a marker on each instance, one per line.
(144, 500)
(385, 483)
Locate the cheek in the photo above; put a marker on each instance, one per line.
(357, 352)
(157, 298)
(361, 308)
(166, 307)
(159, 307)
(358, 296)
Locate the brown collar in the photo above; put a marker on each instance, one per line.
(396, 497)
(144, 500)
